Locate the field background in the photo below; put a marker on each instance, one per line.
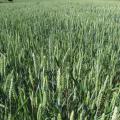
(59, 60)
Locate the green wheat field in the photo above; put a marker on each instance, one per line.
(60, 60)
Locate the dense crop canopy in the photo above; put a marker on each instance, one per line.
(60, 60)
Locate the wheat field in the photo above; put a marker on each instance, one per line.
(59, 60)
